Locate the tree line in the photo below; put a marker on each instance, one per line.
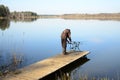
(4, 11)
(22, 15)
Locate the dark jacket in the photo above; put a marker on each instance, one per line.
(66, 34)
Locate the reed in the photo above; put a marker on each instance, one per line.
(67, 76)
(11, 67)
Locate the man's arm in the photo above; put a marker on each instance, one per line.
(69, 36)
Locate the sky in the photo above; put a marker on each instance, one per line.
(63, 6)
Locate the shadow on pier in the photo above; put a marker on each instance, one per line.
(65, 73)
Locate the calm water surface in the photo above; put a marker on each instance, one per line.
(40, 39)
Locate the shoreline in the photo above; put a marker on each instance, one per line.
(100, 16)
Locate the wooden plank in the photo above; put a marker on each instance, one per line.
(45, 67)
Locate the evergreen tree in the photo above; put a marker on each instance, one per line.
(4, 11)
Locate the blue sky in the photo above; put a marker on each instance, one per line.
(63, 6)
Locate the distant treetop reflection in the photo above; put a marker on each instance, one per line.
(23, 19)
(4, 24)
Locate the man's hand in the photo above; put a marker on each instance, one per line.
(69, 42)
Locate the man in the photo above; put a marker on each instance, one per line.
(66, 34)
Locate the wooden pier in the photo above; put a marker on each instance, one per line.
(45, 67)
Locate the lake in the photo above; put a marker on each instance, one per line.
(40, 39)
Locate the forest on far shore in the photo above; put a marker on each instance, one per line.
(6, 14)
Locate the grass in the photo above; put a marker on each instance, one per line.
(67, 76)
(12, 67)
(94, 78)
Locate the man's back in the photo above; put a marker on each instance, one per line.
(66, 34)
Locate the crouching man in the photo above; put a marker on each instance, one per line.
(65, 37)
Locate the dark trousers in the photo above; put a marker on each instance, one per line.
(64, 45)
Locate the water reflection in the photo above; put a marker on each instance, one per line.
(4, 24)
(24, 19)
(69, 72)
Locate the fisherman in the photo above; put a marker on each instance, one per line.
(66, 34)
